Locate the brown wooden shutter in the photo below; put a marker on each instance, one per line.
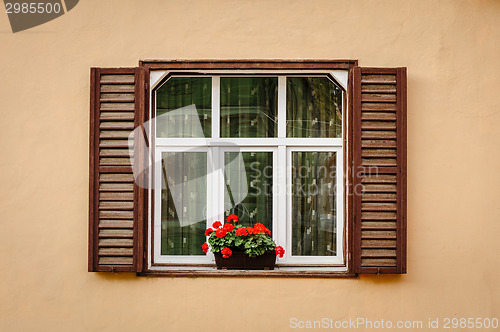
(379, 165)
(116, 203)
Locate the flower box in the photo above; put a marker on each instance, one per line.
(241, 261)
(236, 247)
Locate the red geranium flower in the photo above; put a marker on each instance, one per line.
(217, 224)
(208, 231)
(220, 233)
(279, 251)
(250, 230)
(259, 228)
(226, 252)
(228, 227)
(232, 218)
(241, 232)
(205, 247)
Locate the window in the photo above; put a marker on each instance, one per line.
(315, 150)
(264, 146)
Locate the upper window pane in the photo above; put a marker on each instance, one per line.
(313, 107)
(183, 107)
(248, 106)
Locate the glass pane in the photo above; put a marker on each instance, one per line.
(248, 106)
(183, 202)
(183, 107)
(313, 204)
(313, 107)
(248, 181)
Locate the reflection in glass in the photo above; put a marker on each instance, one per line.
(248, 179)
(313, 107)
(183, 107)
(248, 106)
(313, 204)
(183, 202)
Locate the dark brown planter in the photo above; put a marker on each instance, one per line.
(240, 261)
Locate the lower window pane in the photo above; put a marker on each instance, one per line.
(183, 202)
(248, 183)
(313, 203)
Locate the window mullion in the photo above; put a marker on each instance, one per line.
(211, 199)
(219, 184)
(281, 220)
(281, 216)
(215, 189)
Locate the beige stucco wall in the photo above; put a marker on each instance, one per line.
(452, 51)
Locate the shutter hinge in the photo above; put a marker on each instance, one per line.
(145, 85)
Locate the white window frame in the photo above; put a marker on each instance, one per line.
(281, 146)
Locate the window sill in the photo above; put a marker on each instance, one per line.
(276, 273)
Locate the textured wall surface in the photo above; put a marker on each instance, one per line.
(452, 51)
